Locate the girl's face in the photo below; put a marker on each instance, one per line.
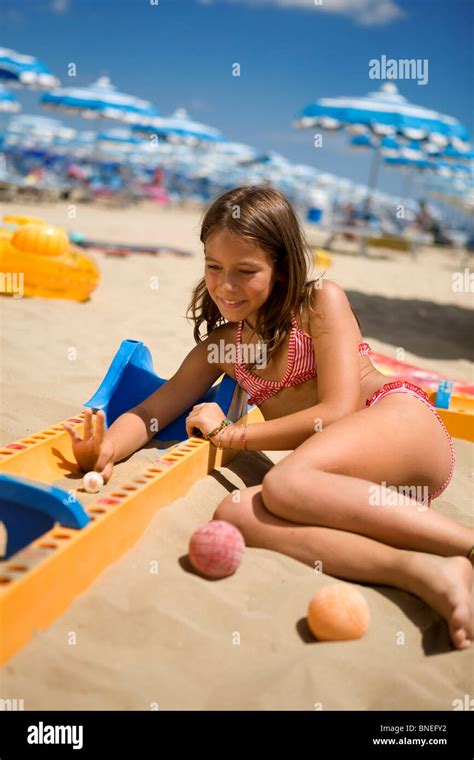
(239, 275)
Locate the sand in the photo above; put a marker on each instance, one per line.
(175, 640)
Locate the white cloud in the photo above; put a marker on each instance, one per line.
(60, 6)
(363, 12)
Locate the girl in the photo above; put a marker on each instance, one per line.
(350, 431)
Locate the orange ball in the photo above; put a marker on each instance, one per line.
(338, 613)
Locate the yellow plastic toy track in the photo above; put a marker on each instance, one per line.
(459, 418)
(40, 581)
(65, 561)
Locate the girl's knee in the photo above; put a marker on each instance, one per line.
(286, 490)
(279, 488)
(226, 509)
(238, 508)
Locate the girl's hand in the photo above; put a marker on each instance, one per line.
(93, 453)
(204, 417)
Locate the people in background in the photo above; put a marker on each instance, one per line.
(428, 223)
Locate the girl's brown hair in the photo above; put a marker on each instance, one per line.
(264, 216)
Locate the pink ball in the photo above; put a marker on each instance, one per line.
(216, 549)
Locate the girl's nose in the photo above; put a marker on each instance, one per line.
(229, 281)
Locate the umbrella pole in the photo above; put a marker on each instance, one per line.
(373, 175)
(407, 182)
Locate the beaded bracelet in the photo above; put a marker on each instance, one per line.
(244, 439)
(224, 423)
(229, 446)
(233, 436)
(221, 434)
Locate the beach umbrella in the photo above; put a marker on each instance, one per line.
(119, 136)
(30, 129)
(234, 150)
(8, 102)
(119, 142)
(179, 128)
(414, 156)
(100, 100)
(458, 155)
(457, 192)
(8, 105)
(383, 114)
(18, 70)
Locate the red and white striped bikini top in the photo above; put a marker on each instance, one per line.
(301, 365)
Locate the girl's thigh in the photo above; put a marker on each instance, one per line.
(398, 440)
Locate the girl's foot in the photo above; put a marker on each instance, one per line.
(445, 584)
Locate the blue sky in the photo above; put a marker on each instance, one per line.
(291, 52)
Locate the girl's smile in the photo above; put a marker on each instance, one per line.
(231, 304)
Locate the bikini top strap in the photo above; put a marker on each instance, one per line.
(238, 342)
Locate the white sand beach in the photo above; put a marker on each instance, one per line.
(168, 639)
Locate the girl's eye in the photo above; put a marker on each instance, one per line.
(244, 271)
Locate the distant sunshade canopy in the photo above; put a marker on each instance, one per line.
(8, 102)
(24, 70)
(180, 125)
(100, 99)
(385, 113)
(422, 155)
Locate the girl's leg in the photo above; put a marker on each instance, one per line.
(314, 497)
(340, 478)
(444, 584)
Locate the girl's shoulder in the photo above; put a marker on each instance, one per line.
(325, 300)
(313, 303)
(226, 332)
(221, 338)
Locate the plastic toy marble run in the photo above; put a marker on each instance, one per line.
(54, 546)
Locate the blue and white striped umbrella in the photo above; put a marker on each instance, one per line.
(385, 113)
(8, 102)
(459, 155)
(458, 192)
(415, 154)
(101, 99)
(119, 136)
(31, 131)
(24, 70)
(234, 150)
(180, 128)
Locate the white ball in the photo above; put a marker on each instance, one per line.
(92, 482)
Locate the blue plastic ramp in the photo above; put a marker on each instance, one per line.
(28, 509)
(130, 379)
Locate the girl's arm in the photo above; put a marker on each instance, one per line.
(335, 341)
(135, 428)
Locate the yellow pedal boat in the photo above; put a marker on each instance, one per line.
(36, 259)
